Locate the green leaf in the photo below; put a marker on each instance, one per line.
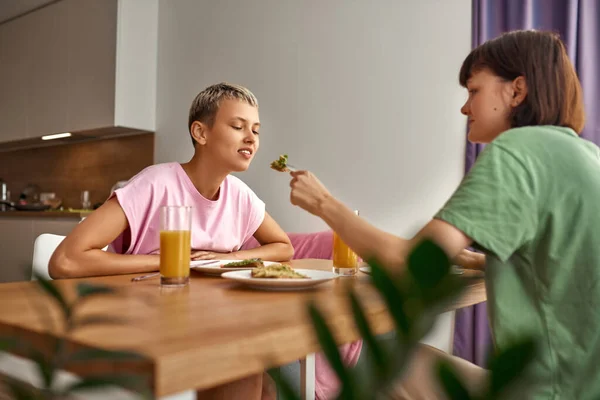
(434, 301)
(351, 391)
(44, 366)
(428, 264)
(510, 363)
(399, 357)
(127, 381)
(85, 289)
(447, 289)
(53, 291)
(392, 296)
(7, 343)
(20, 390)
(423, 324)
(283, 386)
(108, 355)
(375, 386)
(367, 334)
(451, 383)
(330, 348)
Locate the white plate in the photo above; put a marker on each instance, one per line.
(455, 269)
(366, 270)
(216, 268)
(315, 277)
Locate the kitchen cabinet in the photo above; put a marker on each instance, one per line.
(82, 66)
(17, 235)
(46, 40)
(14, 61)
(92, 51)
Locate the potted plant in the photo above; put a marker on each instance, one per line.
(413, 300)
(60, 355)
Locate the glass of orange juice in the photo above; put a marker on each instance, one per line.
(345, 261)
(175, 242)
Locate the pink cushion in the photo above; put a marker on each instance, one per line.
(306, 245)
(320, 245)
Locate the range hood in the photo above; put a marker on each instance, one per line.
(85, 67)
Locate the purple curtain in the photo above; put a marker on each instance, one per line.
(578, 23)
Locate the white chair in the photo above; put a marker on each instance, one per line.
(43, 248)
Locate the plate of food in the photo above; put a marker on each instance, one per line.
(454, 269)
(218, 267)
(280, 277)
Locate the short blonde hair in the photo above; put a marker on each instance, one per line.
(206, 104)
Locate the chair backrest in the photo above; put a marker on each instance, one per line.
(306, 245)
(43, 248)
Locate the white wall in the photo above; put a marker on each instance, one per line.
(137, 47)
(364, 93)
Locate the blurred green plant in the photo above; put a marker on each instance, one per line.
(48, 364)
(414, 299)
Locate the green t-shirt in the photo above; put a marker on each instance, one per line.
(531, 202)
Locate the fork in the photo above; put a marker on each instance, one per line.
(152, 275)
(143, 277)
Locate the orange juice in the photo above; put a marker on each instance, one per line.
(175, 254)
(345, 261)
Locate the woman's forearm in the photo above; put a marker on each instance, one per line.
(362, 237)
(99, 263)
(470, 260)
(268, 252)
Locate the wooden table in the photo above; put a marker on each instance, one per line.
(211, 332)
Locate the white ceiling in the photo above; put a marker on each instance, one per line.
(13, 8)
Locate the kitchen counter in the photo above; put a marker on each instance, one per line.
(18, 232)
(76, 214)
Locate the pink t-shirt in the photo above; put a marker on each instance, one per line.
(222, 225)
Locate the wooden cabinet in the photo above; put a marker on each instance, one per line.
(14, 64)
(59, 67)
(17, 235)
(92, 31)
(45, 39)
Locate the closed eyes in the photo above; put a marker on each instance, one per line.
(239, 128)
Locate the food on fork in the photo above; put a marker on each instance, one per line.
(277, 271)
(280, 164)
(247, 264)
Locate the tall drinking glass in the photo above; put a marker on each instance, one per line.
(345, 261)
(175, 241)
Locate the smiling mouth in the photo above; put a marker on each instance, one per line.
(246, 152)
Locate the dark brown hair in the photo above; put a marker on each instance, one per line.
(553, 90)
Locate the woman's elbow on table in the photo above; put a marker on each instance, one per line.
(287, 252)
(61, 265)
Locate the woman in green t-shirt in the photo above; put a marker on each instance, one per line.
(530, 203)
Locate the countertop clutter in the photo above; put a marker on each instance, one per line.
(34, 203)
(73, 214)
(93, 167)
